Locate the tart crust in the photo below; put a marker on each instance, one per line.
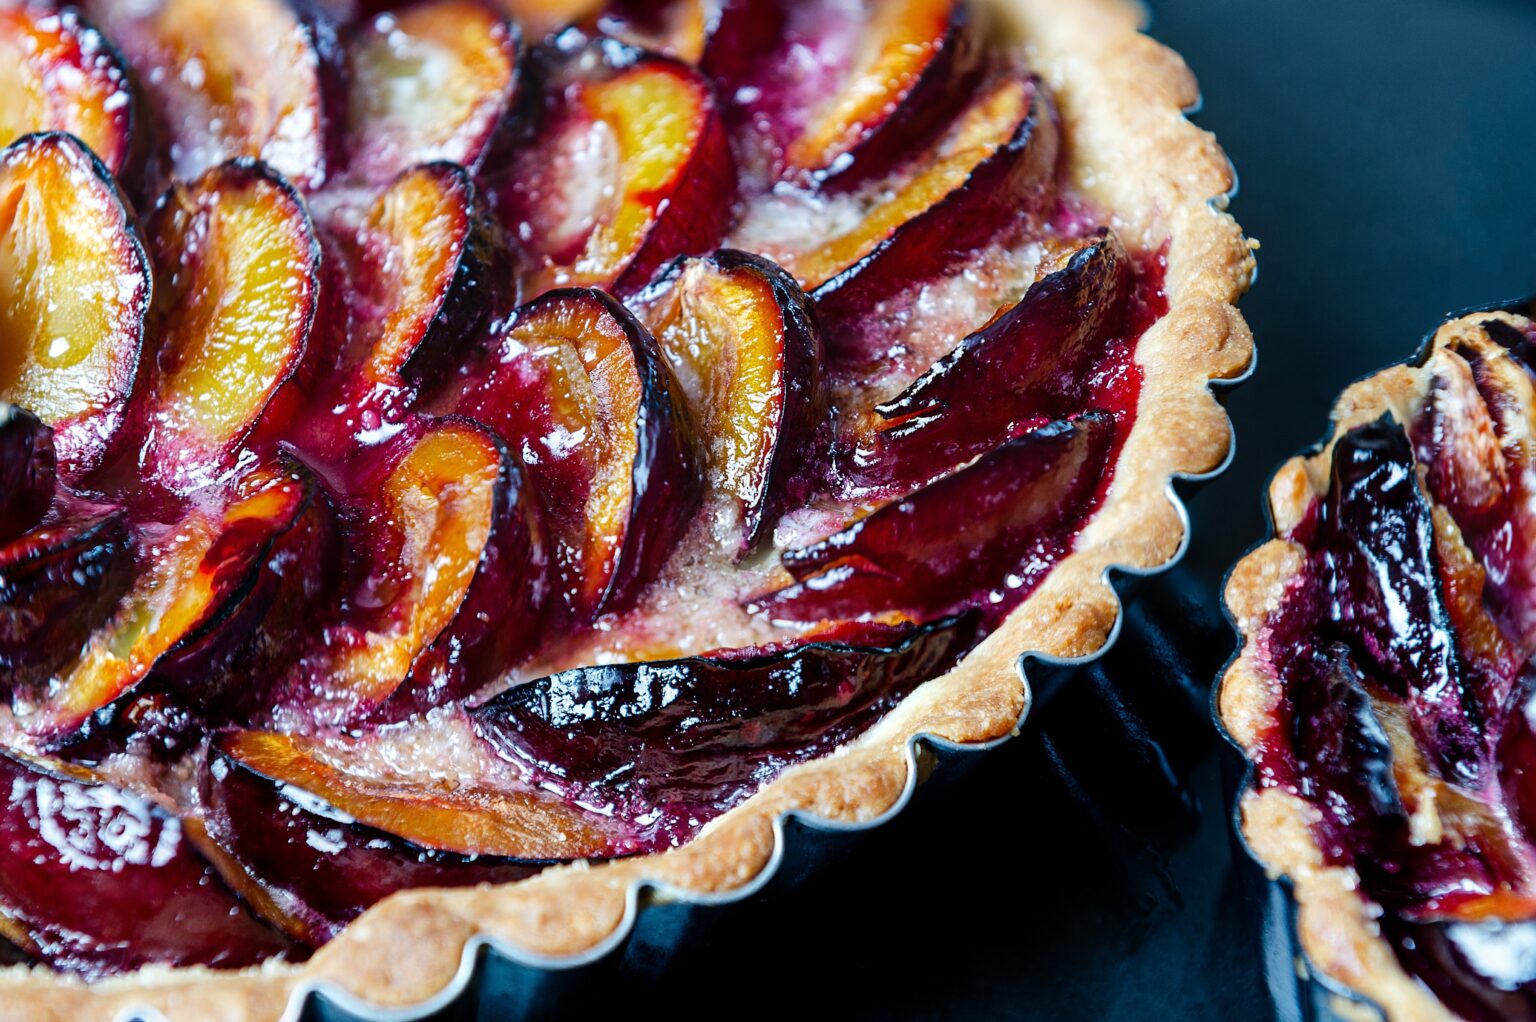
(1337, 925)
(1122, 98)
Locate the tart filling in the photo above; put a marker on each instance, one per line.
(1385, 694)
(504, 450)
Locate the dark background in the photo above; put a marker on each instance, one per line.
(1387, 155)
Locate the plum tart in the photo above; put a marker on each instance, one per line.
(1384, 691)
(460, 462)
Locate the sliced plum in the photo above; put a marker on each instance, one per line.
(428, 271)
(824, 93)
(58, 583)
(258, 79)
(671, 744)
(993, 169)
(28, 471)
(96, 881)
(914, 65)
(74, 293)
(1342, 739)
(455, 581)
(630, 168)
(236, 264)
(272, 563)
(581, 391)
(676, 28)
(61, 75)
(312, 868)
(433, 81)
(190, 578)
(983, 537)
(1386, 598)
(459, 818)
(743, 342)
(1028, 365)
(541, 18)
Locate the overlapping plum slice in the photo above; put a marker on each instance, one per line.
(454, 580)
(443, 816)
(58, 583)
(258, 78)
(236, 264)
(1031, 363)
(425, 271)
(677, 28)
(743, 341)
(432, 81)
(96, 881)
(911, 67)
(539, 18)
(58, 74)
(1386, 597)
(293, 834)
(983, 537)
(992, 170)
(74, 292)
(670, 744)
(1473, 439)
(189, 579)
(28, 471)
(581, 391)
(269, 567)
(630, 168)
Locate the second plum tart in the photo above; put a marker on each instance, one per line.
(459, 463)
(1383, 692)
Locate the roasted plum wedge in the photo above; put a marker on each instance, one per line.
(676, 28)
(60, 74)
(58, 583)
(629, 169)
(427, 272)
(188, 579)
(307, 865)
(272, 565)
(912, 67)
(991, 172)
(1377, 530)
(581, 391)
(670, 744)
(74, 293)
(1028, 365)
(431, 81)
(541, 18)
(28, 471)
(457, 817)
(258, 79)
(981, 538)
(236, 274)
(95, 880)
(743, 343)
(451, 578)
(821, 93)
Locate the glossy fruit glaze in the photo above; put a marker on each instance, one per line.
(491, 445)
(1402, 650)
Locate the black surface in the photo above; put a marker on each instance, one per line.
(1387, 151)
